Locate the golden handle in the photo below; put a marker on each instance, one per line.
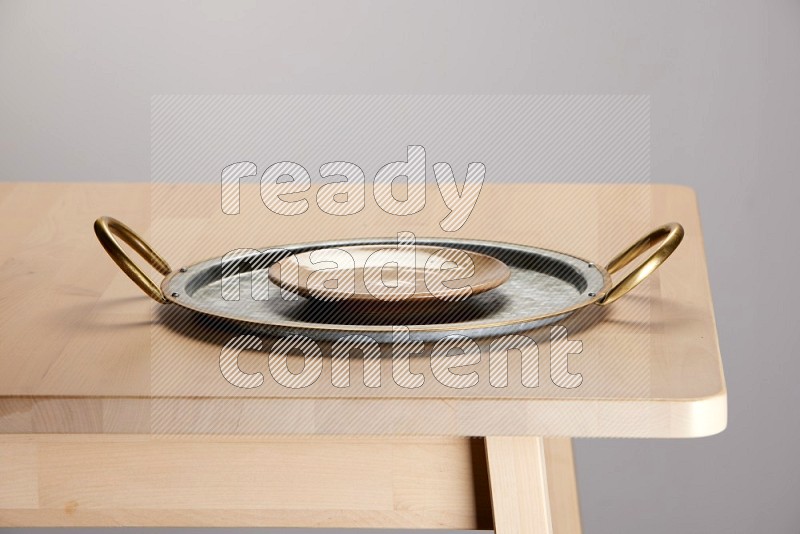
(670, 236)
(106, 228)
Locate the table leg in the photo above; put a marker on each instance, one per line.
(532, 483)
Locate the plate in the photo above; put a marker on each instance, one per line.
(385, 276)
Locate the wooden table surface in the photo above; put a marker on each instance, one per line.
(82, 350)
(114, 413)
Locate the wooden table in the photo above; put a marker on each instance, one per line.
(94, 432)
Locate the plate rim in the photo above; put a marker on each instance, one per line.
(424, 297)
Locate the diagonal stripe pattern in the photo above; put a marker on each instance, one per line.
(457, 141)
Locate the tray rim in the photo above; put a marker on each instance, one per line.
(508, 326)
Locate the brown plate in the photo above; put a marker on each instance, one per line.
(377, 273)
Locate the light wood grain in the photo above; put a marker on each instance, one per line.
(52, 480)
(533, 485)
(562, 486)
(81, 349)
(518, 478)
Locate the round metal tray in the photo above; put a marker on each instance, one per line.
(545, 286)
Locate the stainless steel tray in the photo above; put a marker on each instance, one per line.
(545, 286)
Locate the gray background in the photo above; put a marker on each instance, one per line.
(76, 80)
